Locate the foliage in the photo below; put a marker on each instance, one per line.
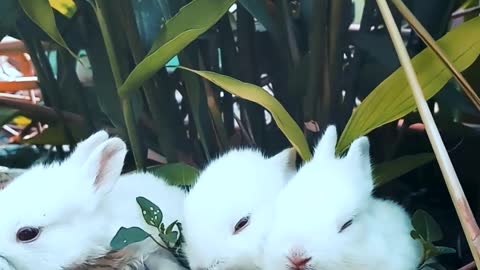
(426, 230)
(153, 216)
(188, 80)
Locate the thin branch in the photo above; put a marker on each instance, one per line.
(243, 130)
(430, 42)
(41, 113)
(462, 207)
(464, 12)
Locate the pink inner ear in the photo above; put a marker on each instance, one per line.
(103, 167)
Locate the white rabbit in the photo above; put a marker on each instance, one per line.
(64, 215)
(227, 211)
(326, 217)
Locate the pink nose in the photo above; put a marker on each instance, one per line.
(298, 263)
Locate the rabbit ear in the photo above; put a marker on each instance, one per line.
(326, 146)
(85, 148)
(359, 152)
(286, 158)
(105, 164)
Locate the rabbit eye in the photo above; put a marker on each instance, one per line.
(346, 225)
(241, 224)
(27, 234)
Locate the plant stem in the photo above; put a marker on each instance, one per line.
(101, 6)
(460, 202)
(165, 140)
(430, 42)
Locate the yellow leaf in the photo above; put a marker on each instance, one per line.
(66, 7)
(21, 121)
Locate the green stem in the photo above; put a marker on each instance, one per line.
(101, 7)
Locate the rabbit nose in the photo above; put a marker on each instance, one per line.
(298, 262)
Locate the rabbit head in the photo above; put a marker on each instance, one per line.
(48, 213)
(227, 212)
(318, 215)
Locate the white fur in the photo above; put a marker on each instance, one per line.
(79, 204)
(324, 195)
(239, 183)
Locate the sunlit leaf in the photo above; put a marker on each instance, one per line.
(175, 35)
(151, 213)
(258, 95)
(178, 174)
(387, 171)
(67, 8)
(392, 99)
(127, 236)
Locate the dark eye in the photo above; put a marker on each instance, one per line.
(346, 225)
(27, 234)
(241, 224)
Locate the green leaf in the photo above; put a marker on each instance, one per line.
(392, 99)
(67, 8)
(426, 226)
(169, 236)
(178, 174)
(7, 115)
(389, 170)
(170, 227)
(258, 95)
(40, 12)
(151, 213)
(259, 9)
(175, 35)
(127, 236)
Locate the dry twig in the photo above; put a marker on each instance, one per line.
(462, 207)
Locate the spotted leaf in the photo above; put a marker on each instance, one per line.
(151, 213)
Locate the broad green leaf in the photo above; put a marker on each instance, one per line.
(8, 13)
(392, 99)
(178, 174)
(67, 8)
(127, 236)
(40, 12)
(55, 135)
(389, 170)
(151, 213)
(175, 35)
(258, 95)
(426, 226)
